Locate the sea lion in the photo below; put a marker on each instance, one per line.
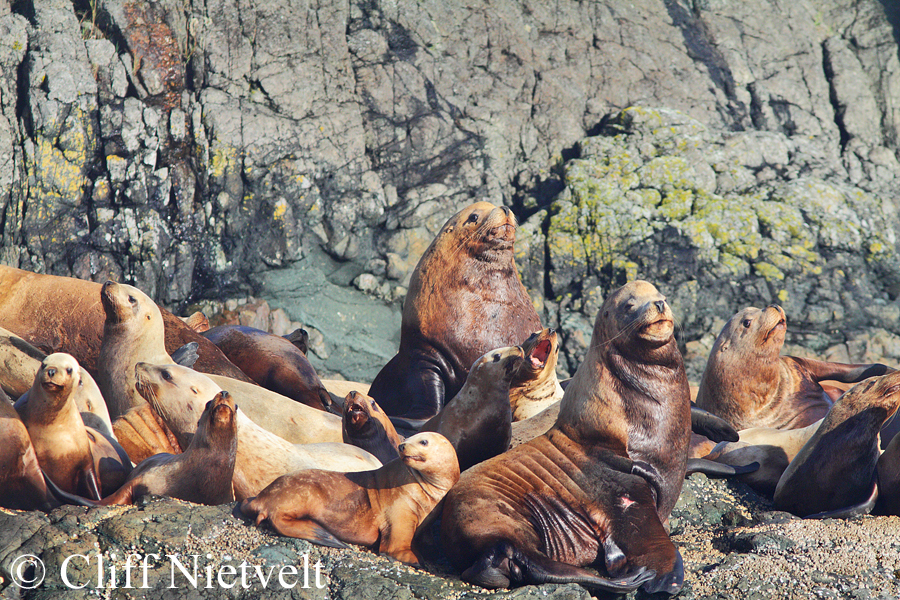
(57, 431)
(177, 395)
(366, 426)
(478, 420)
(142, 433)
(835, 469)
(271, 361)
(135, 336)
(464, 298)
(888, 470)
(22, 485)
(748, 384)
(596, 489)
(772, 449)
(64, 314)
(202, 473)
(380, 509)
(535, 386)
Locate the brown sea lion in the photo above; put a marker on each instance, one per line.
(202, 473)
(477, 421)
(464, 298)
(271, 361)
(64, 314)
(596, 489)
(176, 393)
(57, 431)
(834, 470)
(380, 509)
(366, 426)
(535, 386)
(748, 384)
(22, 485)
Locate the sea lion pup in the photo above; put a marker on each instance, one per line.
(64, 314)
(464, 298)
(596, 489)
(380, 509)
(271, 361)
(748, 384)
(57, 431)
(136, 336)
(535, 386)
(22, 485)
(176, 393)
(366, 426)
(833, 473)
(202, 473)
(478, 421)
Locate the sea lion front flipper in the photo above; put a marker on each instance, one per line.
(863, 508)
(671, 582)
(305, 529)
(187, 355)
(715, 428)
(711, 468)
(300, 339)
(63, 497)
(503, 564)
(845, 373)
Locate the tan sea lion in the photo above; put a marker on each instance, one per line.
(176, 393)
(142, 433)
(380, 509)
(478, 420)
(271, 361)
(535, 386)
(57, 431)
(596, 489)
(464, 298)
(64, 314)
(135, 336)
(22, 485)
(835, 469)
(366, 426)
(748, 384)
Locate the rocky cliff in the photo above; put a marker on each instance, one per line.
(211, 149)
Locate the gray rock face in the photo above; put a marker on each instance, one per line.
(190, 148)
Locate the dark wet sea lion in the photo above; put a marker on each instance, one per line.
(271, 361)
(748, 383)
(64, 314)
(366, 426)
(596, 489)
(464, 298)
(835, 469)
(380, 509)
(478, 420)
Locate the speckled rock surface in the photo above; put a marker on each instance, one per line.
(734, 547)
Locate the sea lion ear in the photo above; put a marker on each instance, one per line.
(449, 229)
(724, 347)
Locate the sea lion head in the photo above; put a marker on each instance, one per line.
(499, 365)
(123, 303)
(752, 332)
(359, 411)
(637, 321)
(482, 231)
(165, 386)
(541, 353)
(876, 394)
(58, 375)
(218, 423)
(432, 456)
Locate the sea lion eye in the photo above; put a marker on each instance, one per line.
(496, 357)
(167, 376)
(132, 299)
(746, 322)
(472, 218)
(194, 390)
(424, 442)
(68, 370)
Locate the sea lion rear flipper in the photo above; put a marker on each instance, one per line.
(310, 531)
(715, 428)
(863, 508)
(187, 355)
(711, 468)
(671, 582)
(503, 564)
